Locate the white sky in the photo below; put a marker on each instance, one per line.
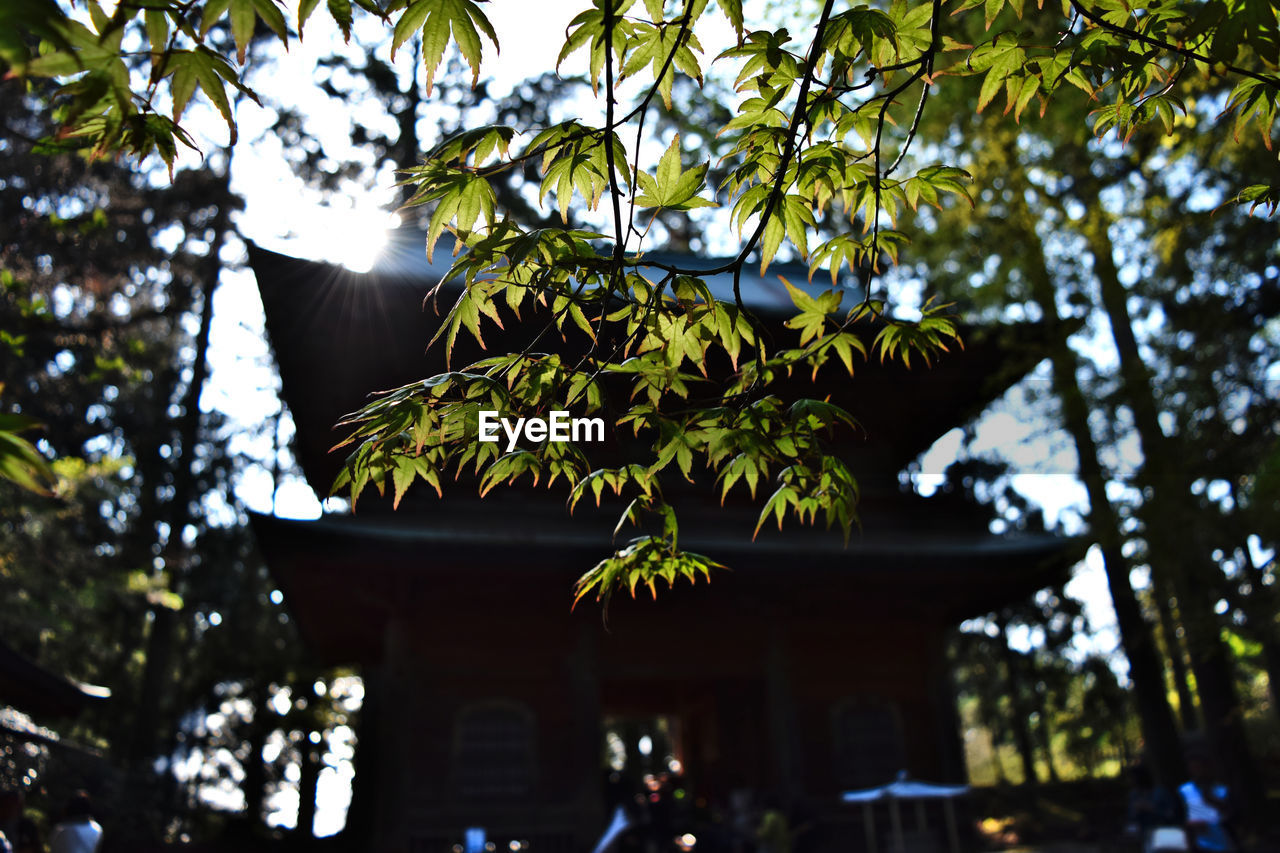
(351, 230)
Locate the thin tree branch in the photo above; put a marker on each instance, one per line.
(1096, 19)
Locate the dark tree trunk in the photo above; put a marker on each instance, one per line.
(311, 757)
(1145, 669)
(1046, 734)
(1177, 655)
(153, 713)
(1171, 534)
(255, 770)
(1021, 722)
(408, 147)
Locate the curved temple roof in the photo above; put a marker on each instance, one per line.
(405, 255)
(31, 688)
(338, 336)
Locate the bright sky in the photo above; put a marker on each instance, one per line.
(351, 230)
(284, 215)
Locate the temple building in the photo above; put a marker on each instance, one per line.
(808, 669)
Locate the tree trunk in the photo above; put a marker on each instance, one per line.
(1177, 656)
(157, 669)
(1021, 721)
(1046, 734)
(1171, 532)
(311, 755)
(255, 770)
(407, 147)
(1145, 669)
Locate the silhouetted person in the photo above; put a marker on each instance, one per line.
(78, 832)
(774, 834)
(1150, 805)
(1208, 806)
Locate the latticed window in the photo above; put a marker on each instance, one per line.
(867, 740)
(493, 750)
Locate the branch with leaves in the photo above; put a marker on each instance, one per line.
(821, 164)
(20, 462)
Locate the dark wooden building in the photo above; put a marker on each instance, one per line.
(808, 669)
(30, 753)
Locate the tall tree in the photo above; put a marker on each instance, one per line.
(1066, 203)
(1024, 274)
(125, 574)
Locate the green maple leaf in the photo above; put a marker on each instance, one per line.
(671, 187)
(435, 19)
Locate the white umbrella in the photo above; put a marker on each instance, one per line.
(905, 788)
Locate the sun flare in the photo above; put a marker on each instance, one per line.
(355, 237)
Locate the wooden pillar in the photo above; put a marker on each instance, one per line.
(584, 678)
(782, 718)
(946, 718)
(394, 761)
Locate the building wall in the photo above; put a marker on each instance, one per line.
(794, 700)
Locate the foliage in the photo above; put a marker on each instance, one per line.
(101, 277)
(20, 462)
(820, 140)
(1136, 253)
(1019, 672)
